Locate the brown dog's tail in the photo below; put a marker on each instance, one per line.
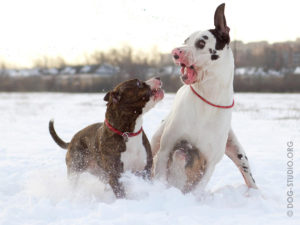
(55, 137)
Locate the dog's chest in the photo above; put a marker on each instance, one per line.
(134, 158)
(198, 123)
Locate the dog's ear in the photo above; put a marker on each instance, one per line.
(221, 25)
(106, 97)
(116, 97)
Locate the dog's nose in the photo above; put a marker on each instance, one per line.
(157, 78)
(177, 53)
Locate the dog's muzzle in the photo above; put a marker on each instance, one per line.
(156, 88)
(188, 72)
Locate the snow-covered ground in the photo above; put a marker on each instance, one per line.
(34, 188)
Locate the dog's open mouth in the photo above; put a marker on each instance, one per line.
(188, 73)
(188, 70)
(157, 93)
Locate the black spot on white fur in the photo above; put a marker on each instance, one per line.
(211, 51)
(221, 39)
(245, 168)
(205, 37)
(214, 57)
(252, 177)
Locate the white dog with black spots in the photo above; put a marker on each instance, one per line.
(202, 109)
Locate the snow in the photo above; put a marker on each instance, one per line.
(240, 71)
(297, 70)
(106, 70)
(259, 71)
(34, 188)
(24, 72)
(68, 71)
(52, 71)
(85, 69)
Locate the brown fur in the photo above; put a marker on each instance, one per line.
(96, 148)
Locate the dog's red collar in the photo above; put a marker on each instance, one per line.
(218, 106)
(125, 135)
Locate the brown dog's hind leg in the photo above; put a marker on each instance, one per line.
(76, 163)
(236, 153)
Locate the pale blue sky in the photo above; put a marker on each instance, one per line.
(72, 28)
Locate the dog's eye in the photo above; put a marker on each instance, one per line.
(200, 44)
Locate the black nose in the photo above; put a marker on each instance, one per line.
(157, 78)
(176, 56)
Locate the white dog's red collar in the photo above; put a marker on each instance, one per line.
(218, 106)
(125, 135)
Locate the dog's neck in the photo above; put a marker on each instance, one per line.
(216, 81)
(124, 121)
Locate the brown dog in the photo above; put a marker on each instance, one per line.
(119, 144)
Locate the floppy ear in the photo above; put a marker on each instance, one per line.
(116, 97)
(106, 97)
(220, 24)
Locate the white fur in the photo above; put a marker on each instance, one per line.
(135, 157)
(202, 125)
(177, 176)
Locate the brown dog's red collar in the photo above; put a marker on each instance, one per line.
(218, 106)
(125, 135)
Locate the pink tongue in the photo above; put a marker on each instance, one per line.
(182, 70)
(190, 72)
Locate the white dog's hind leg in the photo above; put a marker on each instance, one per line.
(236, 153)
(155, 141)
(160, 165)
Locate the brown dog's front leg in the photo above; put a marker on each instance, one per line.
(146, 173)
(114, 168)
(236, 153)
(117, 187)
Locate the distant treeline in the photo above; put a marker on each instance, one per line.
(276, 56)
(86, 83)
(103, 70)
(75, 84)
